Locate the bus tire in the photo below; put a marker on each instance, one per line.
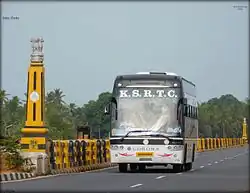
(188, 166)
(142, 167)
(123, 168)
(178, 167)
(133, 167)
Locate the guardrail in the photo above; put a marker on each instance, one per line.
(206, 144)
(78, 155)
(66, 156)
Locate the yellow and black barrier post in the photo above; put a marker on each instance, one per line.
(198, 149)
(66, 154)
(208, 144)
(62, 147)
(71, 154)
(94, 151)
(218, 143)
(203, 146)
(83, 152)
(78, 153)
(88, 152)
(108, 150)
(227, 142)
(211, 143)
(58, 154)
(99, 151)
(104, 151)
(51, 154)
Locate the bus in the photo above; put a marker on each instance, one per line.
(153, 121)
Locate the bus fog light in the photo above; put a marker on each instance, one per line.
(166, 141)
(114, 147)
(169, 147)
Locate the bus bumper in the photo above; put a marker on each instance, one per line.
(163, 155)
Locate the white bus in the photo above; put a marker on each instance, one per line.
(153, 121)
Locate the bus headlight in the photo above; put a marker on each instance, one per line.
(166, 141)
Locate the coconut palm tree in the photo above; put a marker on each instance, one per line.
(3, 97)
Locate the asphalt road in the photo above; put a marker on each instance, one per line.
(221, 170)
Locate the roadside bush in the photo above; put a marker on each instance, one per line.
(11, 151)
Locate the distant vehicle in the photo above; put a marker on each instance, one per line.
(153, 121)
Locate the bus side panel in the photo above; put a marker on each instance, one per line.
(191, 132)
(191, 127)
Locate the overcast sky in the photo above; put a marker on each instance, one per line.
(88, 43)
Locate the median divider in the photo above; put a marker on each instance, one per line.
(82, 155)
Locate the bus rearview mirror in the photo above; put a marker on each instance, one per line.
(184, 101)
(107, 109)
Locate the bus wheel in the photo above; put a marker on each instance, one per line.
(133, 167)
(188, 166)
(178, 168)
(123, 167)
(142, 167)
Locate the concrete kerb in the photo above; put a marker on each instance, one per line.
(16, 176)
(82, 168)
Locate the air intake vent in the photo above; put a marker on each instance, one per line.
(162, 73)
(158, 73)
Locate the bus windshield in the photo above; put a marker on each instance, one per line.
(151, 109)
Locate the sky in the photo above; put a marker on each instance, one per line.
(87, 44)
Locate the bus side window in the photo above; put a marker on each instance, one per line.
(196, 112)
(192, 111)
(113, 112)
(186, 110)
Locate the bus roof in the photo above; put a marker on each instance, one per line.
(148, 76)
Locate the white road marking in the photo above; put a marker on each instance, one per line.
(136, 185)
(192, 170)
(179, 173)
(221, 160)
(227, 158)
(202, 166)
(215, 162)
(209, 164)
(159, 177)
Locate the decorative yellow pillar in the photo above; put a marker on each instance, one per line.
(34, 133)
(244, 130)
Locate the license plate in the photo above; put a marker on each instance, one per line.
(144, 154)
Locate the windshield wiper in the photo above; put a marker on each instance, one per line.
(141, 131)
(158, 135)
(136, 131)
